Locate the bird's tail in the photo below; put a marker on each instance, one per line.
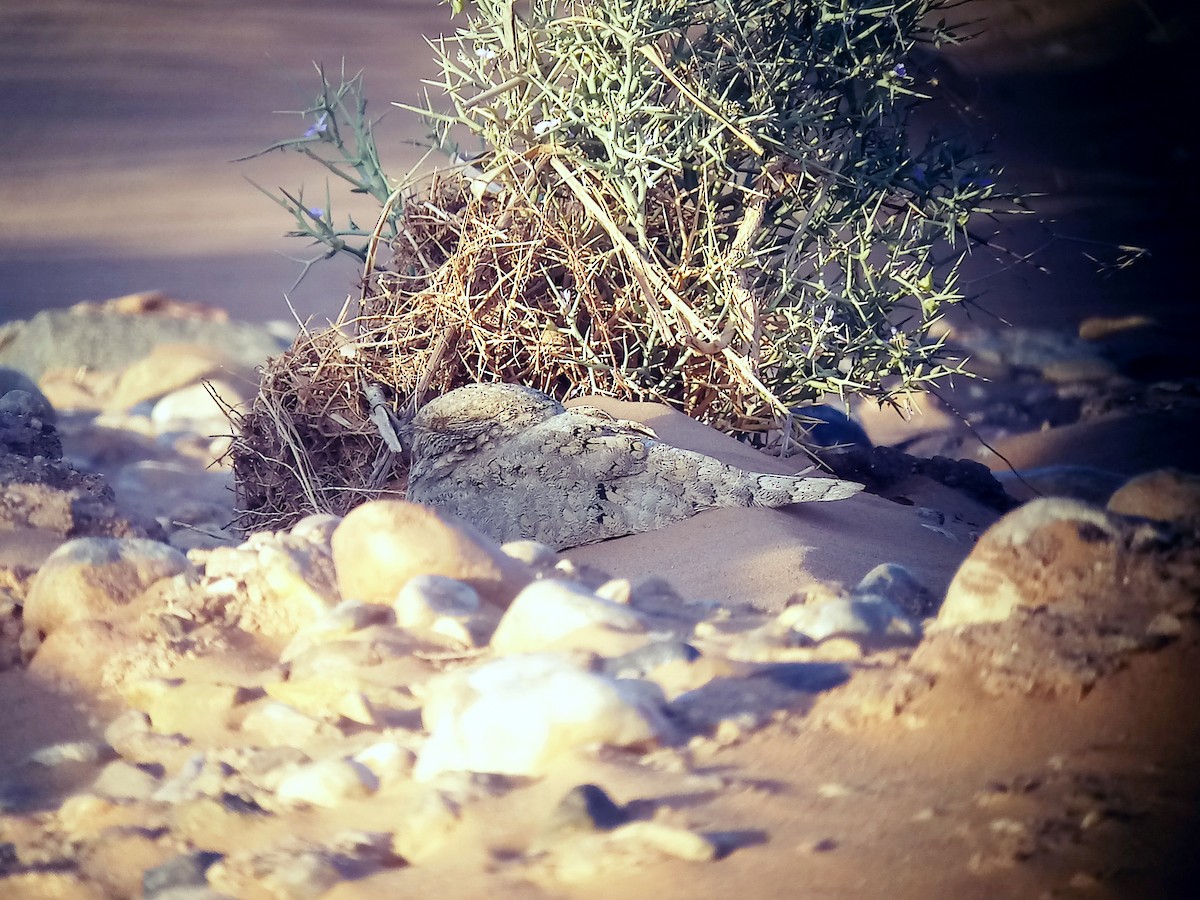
(780, 490)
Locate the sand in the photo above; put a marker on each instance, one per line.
(121, 120)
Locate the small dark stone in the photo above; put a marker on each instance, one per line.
(182, 871)
(9, 862)
(586, 808)
(640, 662)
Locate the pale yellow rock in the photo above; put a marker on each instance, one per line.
(424, 825)
(1030, 558)
(169, 367)
(549, 611)
(382, 544)
(193, 706)
(91, 577)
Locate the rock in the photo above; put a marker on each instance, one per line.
(328, 783)
(108, 339)
(181, 708)
(586, 807)
(273, 584)
(121, 780)
(1008, 566)
(187, 870)
(894, 583)
(590, 857)
(345, 619)
(170, 368)
(822, 425)
(549, 610)
(198, 408)
(334, 695)
(391, 762)
(27, 425)
(1069, 557)
(641, 662)
(532, 553)
(278, 724)
(435, 604)
(88, 577)
(16, 380)
(1165, 495)
(424, 824)
(512, 716)
(1086, 483)
(380, 545)
(869, 619)
(70, 752)
(296, 869)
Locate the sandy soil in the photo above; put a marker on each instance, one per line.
(120, 118)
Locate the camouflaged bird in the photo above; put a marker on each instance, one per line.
(517, 464)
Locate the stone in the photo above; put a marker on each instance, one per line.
(549, 610)
(1057, 553)
(532, 553)
(16, 380)
(426, 598)
(121, 780)
(518, 465)
(186, 870)
(586, 807)
(391, 762)
(640, 663)
(1165, 495)
(199, 408)
(89, 577)
(331, 625)
(182, 708)
(109, 339)
(871, 619)
(327, 782)
(424, 824)
(278, 724)
(27, 425)
(513, 716)
(894, 583)
(380, 545)
(70, 752)
(274, 584)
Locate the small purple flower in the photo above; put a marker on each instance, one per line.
(919, 171)
(901, 70)
(318, 127)
(316, 212)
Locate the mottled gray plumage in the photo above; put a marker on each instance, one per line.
(517, 464)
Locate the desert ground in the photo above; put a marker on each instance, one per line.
(210, 716)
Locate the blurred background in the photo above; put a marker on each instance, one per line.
(121, 118)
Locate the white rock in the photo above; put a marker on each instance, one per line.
(194, 408)
(546, 611)
(121, 780)
(390, 761)
(513, 716)
(424, 824)
(279, 725)
(873, 619)
(532, 553)
(426, 598)
(382, 544)
(328, 783)
(891, 581)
